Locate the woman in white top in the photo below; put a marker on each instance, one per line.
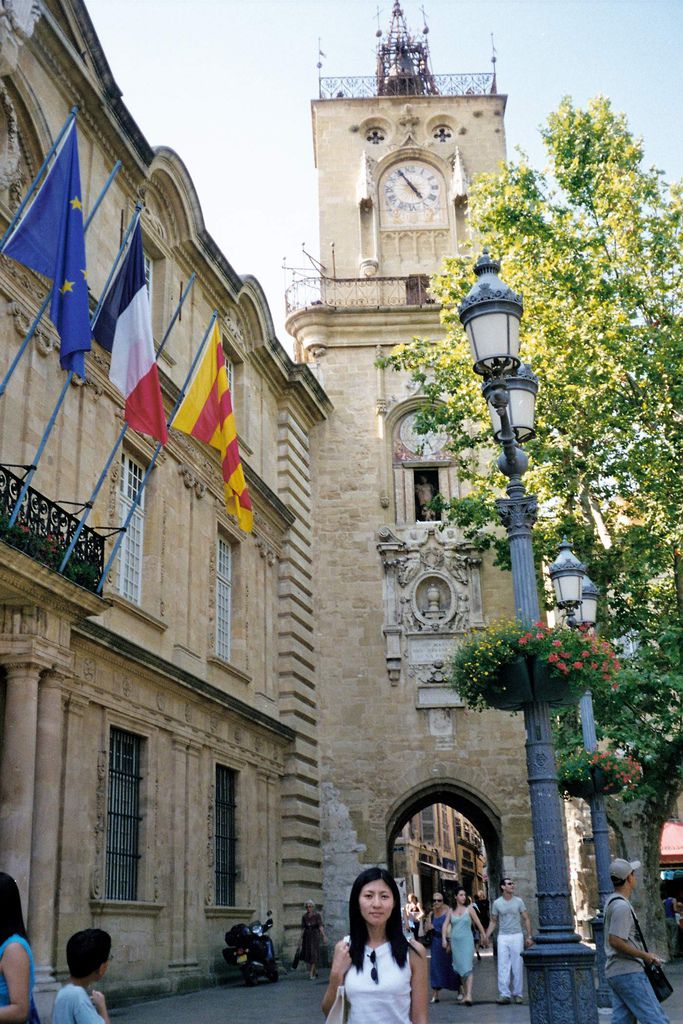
(384, 974)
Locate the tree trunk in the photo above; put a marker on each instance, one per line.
(638, 828)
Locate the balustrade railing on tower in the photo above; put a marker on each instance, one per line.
(469, 84)
(369, 292)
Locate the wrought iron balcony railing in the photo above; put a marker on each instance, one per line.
(474, 84)
(366, 292)
(43, 530)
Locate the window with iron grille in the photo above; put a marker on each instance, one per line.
(123, 816)
(223, 598)
(130, 554)
(226, 839)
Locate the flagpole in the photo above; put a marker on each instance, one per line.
(48, 429)
(114, 171)
(176, 314)
(41, 448)
(103, 475)
(138, 495)
(129, 230)
(32, 187)
(39, 315)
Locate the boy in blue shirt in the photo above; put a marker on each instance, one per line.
(87, 954)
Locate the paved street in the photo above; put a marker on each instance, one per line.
(295, 999)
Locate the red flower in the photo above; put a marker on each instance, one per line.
(585, 654)
(522, 641)
(555, 643)
(594, 664)
(577, 664)
(615, 686)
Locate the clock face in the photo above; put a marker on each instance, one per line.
(412, 193)
(426, 446)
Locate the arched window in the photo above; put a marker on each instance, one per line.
(422, 470)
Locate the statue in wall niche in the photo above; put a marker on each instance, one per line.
(424, 493)
(462, 614)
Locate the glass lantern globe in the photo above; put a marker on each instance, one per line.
(490, 314)
(521, 388)
(588, 610)
(567, 575)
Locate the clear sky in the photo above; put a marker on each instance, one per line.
(228, 84)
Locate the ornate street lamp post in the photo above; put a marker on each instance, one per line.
(577, 596)
(559, 966)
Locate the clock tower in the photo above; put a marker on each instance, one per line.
(394, 589)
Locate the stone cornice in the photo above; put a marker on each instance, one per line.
(330, 324)
(23, 577)
(132, 652)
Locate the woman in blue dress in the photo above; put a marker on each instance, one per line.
(457, 932)
(441, 973)
(16, 961)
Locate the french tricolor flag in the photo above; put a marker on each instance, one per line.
(123, 327)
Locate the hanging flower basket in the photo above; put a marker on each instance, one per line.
(507, 666)
(512, 687)
(550, 686)
(584, 773)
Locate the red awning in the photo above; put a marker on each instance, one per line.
(671, 846)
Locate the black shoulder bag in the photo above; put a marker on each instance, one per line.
(661, 986)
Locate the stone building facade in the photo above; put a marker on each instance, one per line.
(158, 749)
(273, 706)
(397, 589)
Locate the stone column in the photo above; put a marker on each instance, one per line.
(45, 845)
(178, 853)
(17, 772)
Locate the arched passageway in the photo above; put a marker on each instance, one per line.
(473, 847)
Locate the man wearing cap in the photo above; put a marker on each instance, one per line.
(632, 996)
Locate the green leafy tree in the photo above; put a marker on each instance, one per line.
(593, 242)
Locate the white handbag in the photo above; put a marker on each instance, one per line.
(339, 1014)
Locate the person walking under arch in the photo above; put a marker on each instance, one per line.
(441, 973)
(510, 916)
(457, 932)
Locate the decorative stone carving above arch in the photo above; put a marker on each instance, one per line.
(17, 21)
(432, 595)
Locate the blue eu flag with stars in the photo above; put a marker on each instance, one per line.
(50, 240)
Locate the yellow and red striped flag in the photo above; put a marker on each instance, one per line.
(206, 413)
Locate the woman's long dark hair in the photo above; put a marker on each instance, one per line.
(358, 927)
(11, 917)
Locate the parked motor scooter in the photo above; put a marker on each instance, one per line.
(249, 948)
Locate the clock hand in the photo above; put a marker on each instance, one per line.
(410, 184)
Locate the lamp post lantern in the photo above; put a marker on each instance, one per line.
(559, 966)
(581, 608)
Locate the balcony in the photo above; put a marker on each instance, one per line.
(358, 292)
(43, 531)
(473, 84)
